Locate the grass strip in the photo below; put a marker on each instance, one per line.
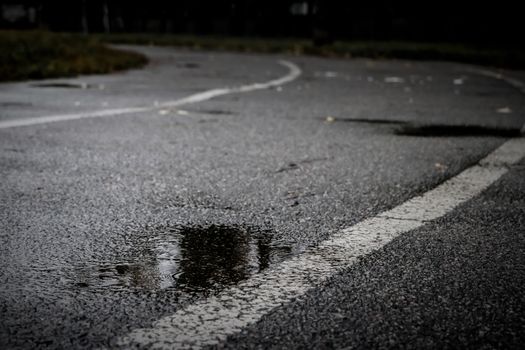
(40, 55)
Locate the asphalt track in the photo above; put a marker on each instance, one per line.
(99, 215)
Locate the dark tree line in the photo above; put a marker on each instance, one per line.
(485, 22)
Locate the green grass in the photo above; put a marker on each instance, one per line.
(514, 59)
(40, 55)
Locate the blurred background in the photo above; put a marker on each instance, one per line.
(480, 23)
(56, 38)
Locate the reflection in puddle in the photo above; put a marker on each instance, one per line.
(190, 260)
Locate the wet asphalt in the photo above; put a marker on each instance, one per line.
(108, 224)
(456, 283)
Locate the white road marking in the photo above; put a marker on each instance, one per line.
(511, 81)
(294, 73)
(211, 321)
(58, 118)
(518, 84)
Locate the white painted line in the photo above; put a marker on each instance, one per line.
(511, 81)
(211, 321)
(518, 84)
(62, 117)
(293, 73)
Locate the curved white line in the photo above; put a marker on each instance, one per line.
(511, 81)
(293, 73)
(518, 84)
(211, 321)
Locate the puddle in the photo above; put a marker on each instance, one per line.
(216, 112)
(455, 131)
(189, 65)
(438, 130)
(64, 85)
(15, 104)
(205, 121)
(189, 260)
(367, 121)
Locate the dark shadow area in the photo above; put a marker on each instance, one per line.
(15, 104)
(214, 112)
(404, 128)
(455, 131)
(62, 85)
(369, 121)
(189, 65)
